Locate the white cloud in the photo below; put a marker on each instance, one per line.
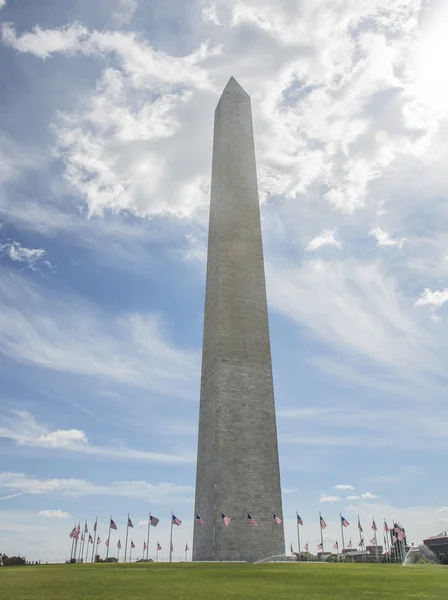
(288, 491)
(125, 11)
(353, 497)
(153, 492)
(431, 297)
(368, 496)
(54, 514)
(72, 336)
(383, 238)
(326, 238)
(324, 498)
(21, 427)
(18, 253)
(342, 486)
(2, 3)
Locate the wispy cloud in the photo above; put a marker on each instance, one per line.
(384, 239)
(72, 336)
(342, 486)
(326, 238)
(152, 492)
(21, 427)
(324, 498)
(54, 514)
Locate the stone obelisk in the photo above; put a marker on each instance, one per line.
(238, 467)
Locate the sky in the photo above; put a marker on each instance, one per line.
(106, 123)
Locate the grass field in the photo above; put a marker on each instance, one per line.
(223, 581)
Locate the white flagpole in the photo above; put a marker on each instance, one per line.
(87, 546)
(171, 535)
(147, 539)
(342, 533)
(108, 539)
(130, 552)
(157, 552)
(95, 537)
(298, 535)
(126, 543)
(376, 543)
(361, 540)
(321, 534)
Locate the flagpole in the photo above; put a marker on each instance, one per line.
(321, 534)
(95, 543)
(126, 542)
(157, 552)
(95, 531)
(376, 542)
(342, 533)
(298, 535)
(385, 546)
(130, 552)
(171, 535)
(81, 546)
(108, 539)
(76, 546)
(185, 552)
(87, 547)
(71, 552)
(147, 538)
(361, 540)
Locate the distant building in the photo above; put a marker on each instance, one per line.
(438, 543)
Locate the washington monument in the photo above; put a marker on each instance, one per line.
(238, 469)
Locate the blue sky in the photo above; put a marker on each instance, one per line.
(105, 154)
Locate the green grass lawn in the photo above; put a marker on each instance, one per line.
(230, 581)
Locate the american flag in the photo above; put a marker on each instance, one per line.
(159, 547)
(251, 521)
(144, 546)
(306, 547)
(277, 520)
(397, 529)
(82, 537)
(186, 548)
(176, 521)
(172, 548)
(119, 545)
(401, 536)
(361, 543)
(344, 522)
(299, 520)
(73, 532)
(225, 519)
(95, 526)
(77, 531)
(132, 544)
(372, 541)
(335, 546)
(292, 549)
(112, 524)
(319, 546)
(322, 523)
(86, 529)
(199, 521)
(90, 539)
(374, 527)
(359, 526)
(98, 540)
(154, 521)
(394, 538)
(106, 543)
(385, 527)
(130, 523)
